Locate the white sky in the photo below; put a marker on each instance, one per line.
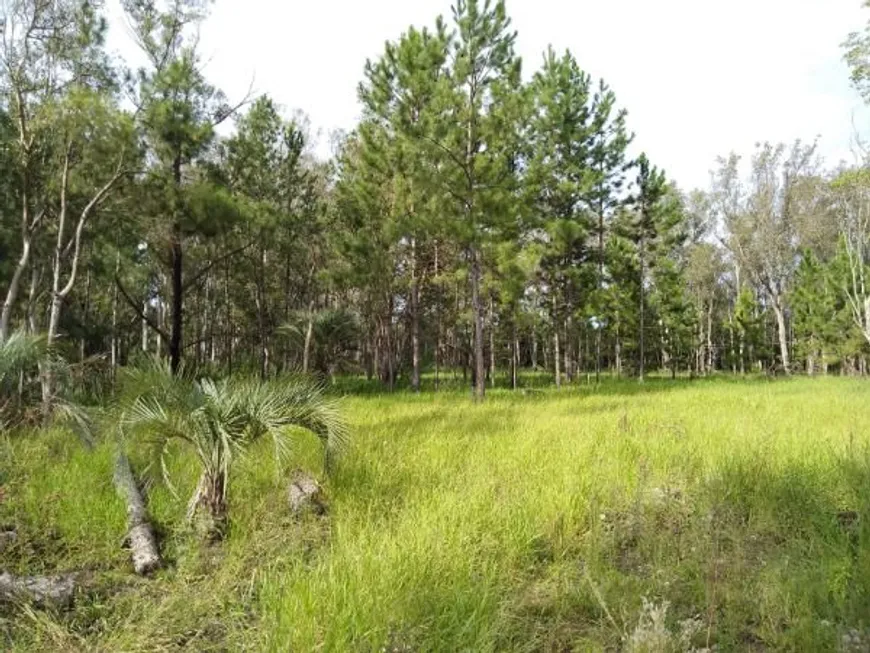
(699, 78)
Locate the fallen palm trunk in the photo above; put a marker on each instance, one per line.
(41, 590)
(305, 494)
(140, 535)
(8, 537)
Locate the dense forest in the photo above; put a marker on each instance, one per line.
(477, 221)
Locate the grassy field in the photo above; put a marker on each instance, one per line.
(667, 517)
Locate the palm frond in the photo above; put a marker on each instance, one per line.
(21, 351)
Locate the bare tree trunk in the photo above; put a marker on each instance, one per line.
(86, 314)
(783, 336)
(14, 283)
(556, 356)
(309, 339)
(115, 318)
(477, 310)
(545, 354)
(161, 320)
(140, 535)
(515, 358)
(57, 591)
(731, 343)
(534, 348)
(491, 343)
(390, 353)
(566, 347)
(618, 350)
(598, 354)
(228, 338)
(415, 320)
(710, 338)
(438, 311)
(30, 313)
(641, 362)
(175, 336)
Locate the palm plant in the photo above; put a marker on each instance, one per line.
(219, 420)
(20, 352)
(329, 335)
(24, 360)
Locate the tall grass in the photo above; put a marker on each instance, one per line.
(733, 513)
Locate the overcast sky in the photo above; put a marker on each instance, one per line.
(699, 78)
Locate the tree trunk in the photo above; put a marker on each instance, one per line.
(618, 351)
(438, 311)
(175, 336)
(14, 284)
(783, 336)
(731, 342)
(208, 506)
(641, 362)
(115, 341)
(262, 314)
(491, 343)
(534, 348)
(140, 535)
(228, 339)
(515, 358)
(710, 338)
(56, 591)
(177, 262)
(477, 310)
(598, 354)
(30, 311)
(566, 353)
(309, 338)
(556, 356)
(414, 305)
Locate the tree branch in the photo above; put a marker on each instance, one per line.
(208, 266)
(137, 307)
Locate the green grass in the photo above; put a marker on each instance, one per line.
(535, 522)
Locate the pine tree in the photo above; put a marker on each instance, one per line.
(559, 177)
(609, 165)
(179, 113)
(475, 146)
(645, 230)
(398, 95)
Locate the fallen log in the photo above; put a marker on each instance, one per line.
(57, 591)
(8, 537)
(305, 494)
(140, 534)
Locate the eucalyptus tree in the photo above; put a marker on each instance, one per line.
(704, 277)
(96, 150)
(850, 194)
(762, 218)
(52, 62)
